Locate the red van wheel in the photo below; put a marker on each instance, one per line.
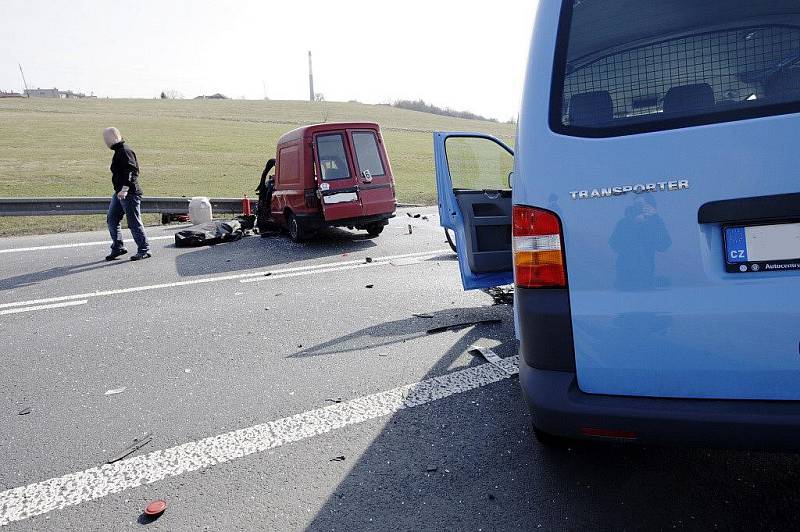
(296, 231)
(375, 230)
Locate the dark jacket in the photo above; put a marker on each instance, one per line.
(125, 169)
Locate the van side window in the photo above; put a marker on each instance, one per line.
(477, 163)
(367, 154)
(332, 157)
(629, 67)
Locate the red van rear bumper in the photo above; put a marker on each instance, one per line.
(316, 220)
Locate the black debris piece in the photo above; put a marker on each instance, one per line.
(425, 316)
(491, 496)
(337, 400)
(210, 233)
(368, 260)
(137, 444)
(267, 274)
(425, 218)
(461, 325)
(501, 295)
(431, 469)
(417, 216)
(370, 286)
(337, 459)
(408, 214)
(24, 412)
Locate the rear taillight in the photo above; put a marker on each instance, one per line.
(538, 257)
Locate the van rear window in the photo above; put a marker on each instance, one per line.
(628, 66)
(332, 157)
(367, 154)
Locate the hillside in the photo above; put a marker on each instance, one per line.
(193, 147)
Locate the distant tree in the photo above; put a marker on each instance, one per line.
(171, 94)
(421, 106)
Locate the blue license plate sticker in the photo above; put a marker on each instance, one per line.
(758, 248)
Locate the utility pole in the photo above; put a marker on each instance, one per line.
(310, 79)
(24, 81)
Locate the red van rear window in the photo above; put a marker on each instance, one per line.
(332, 157)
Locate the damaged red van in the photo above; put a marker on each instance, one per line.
(335, 174)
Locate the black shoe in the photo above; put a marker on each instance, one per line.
(117, 253)
(141, 256)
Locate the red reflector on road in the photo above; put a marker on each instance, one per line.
(609, 433)
(156, 508)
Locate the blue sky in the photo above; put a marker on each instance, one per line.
(467, 55)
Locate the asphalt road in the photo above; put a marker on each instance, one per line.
(287, 342)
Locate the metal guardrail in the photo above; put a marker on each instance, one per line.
(95, 205)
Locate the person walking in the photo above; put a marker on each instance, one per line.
(127, 198)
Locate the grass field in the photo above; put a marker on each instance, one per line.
(214, 148)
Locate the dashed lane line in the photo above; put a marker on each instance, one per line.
(21, 503)
(276, 274)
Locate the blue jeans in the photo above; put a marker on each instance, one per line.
(130, 207)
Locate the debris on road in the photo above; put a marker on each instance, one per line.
(370, 286)
(414, 215)
(137, 444)
(155, 508)
(337, 459)
(461, 325)
(368, 260)
(24, 412)
(209, 233)
(490, 356)
(501, 295)
(116, 391)
(410, 230)
(267, 274)
(425, 316)
(431, 469)
(337, 400)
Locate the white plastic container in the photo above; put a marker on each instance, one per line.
(199, 210)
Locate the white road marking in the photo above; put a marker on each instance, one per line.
(21, 503)
(306, 269)
(75, 245)
(43, 307)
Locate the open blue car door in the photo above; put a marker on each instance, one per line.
(473, 182)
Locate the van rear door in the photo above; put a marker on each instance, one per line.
(338, 181)
(473, 183)
(671, 149)
(376, 189)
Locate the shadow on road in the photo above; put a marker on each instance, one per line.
(471, 462)
(32, 278)
(255, 252)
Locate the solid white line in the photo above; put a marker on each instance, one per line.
(361, 264)
(43, 307)
(75, 245)
(309, 269)
(38, 498)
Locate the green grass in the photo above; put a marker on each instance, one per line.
(189, 147)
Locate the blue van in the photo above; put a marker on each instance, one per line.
(653, 231)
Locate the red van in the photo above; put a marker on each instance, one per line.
(335, 174)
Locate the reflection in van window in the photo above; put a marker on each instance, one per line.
(478, 164)
(632, 63)
(332, 157)
(367, 154)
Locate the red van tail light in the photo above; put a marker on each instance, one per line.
(538, 257)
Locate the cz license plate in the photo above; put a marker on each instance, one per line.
(762, 248)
